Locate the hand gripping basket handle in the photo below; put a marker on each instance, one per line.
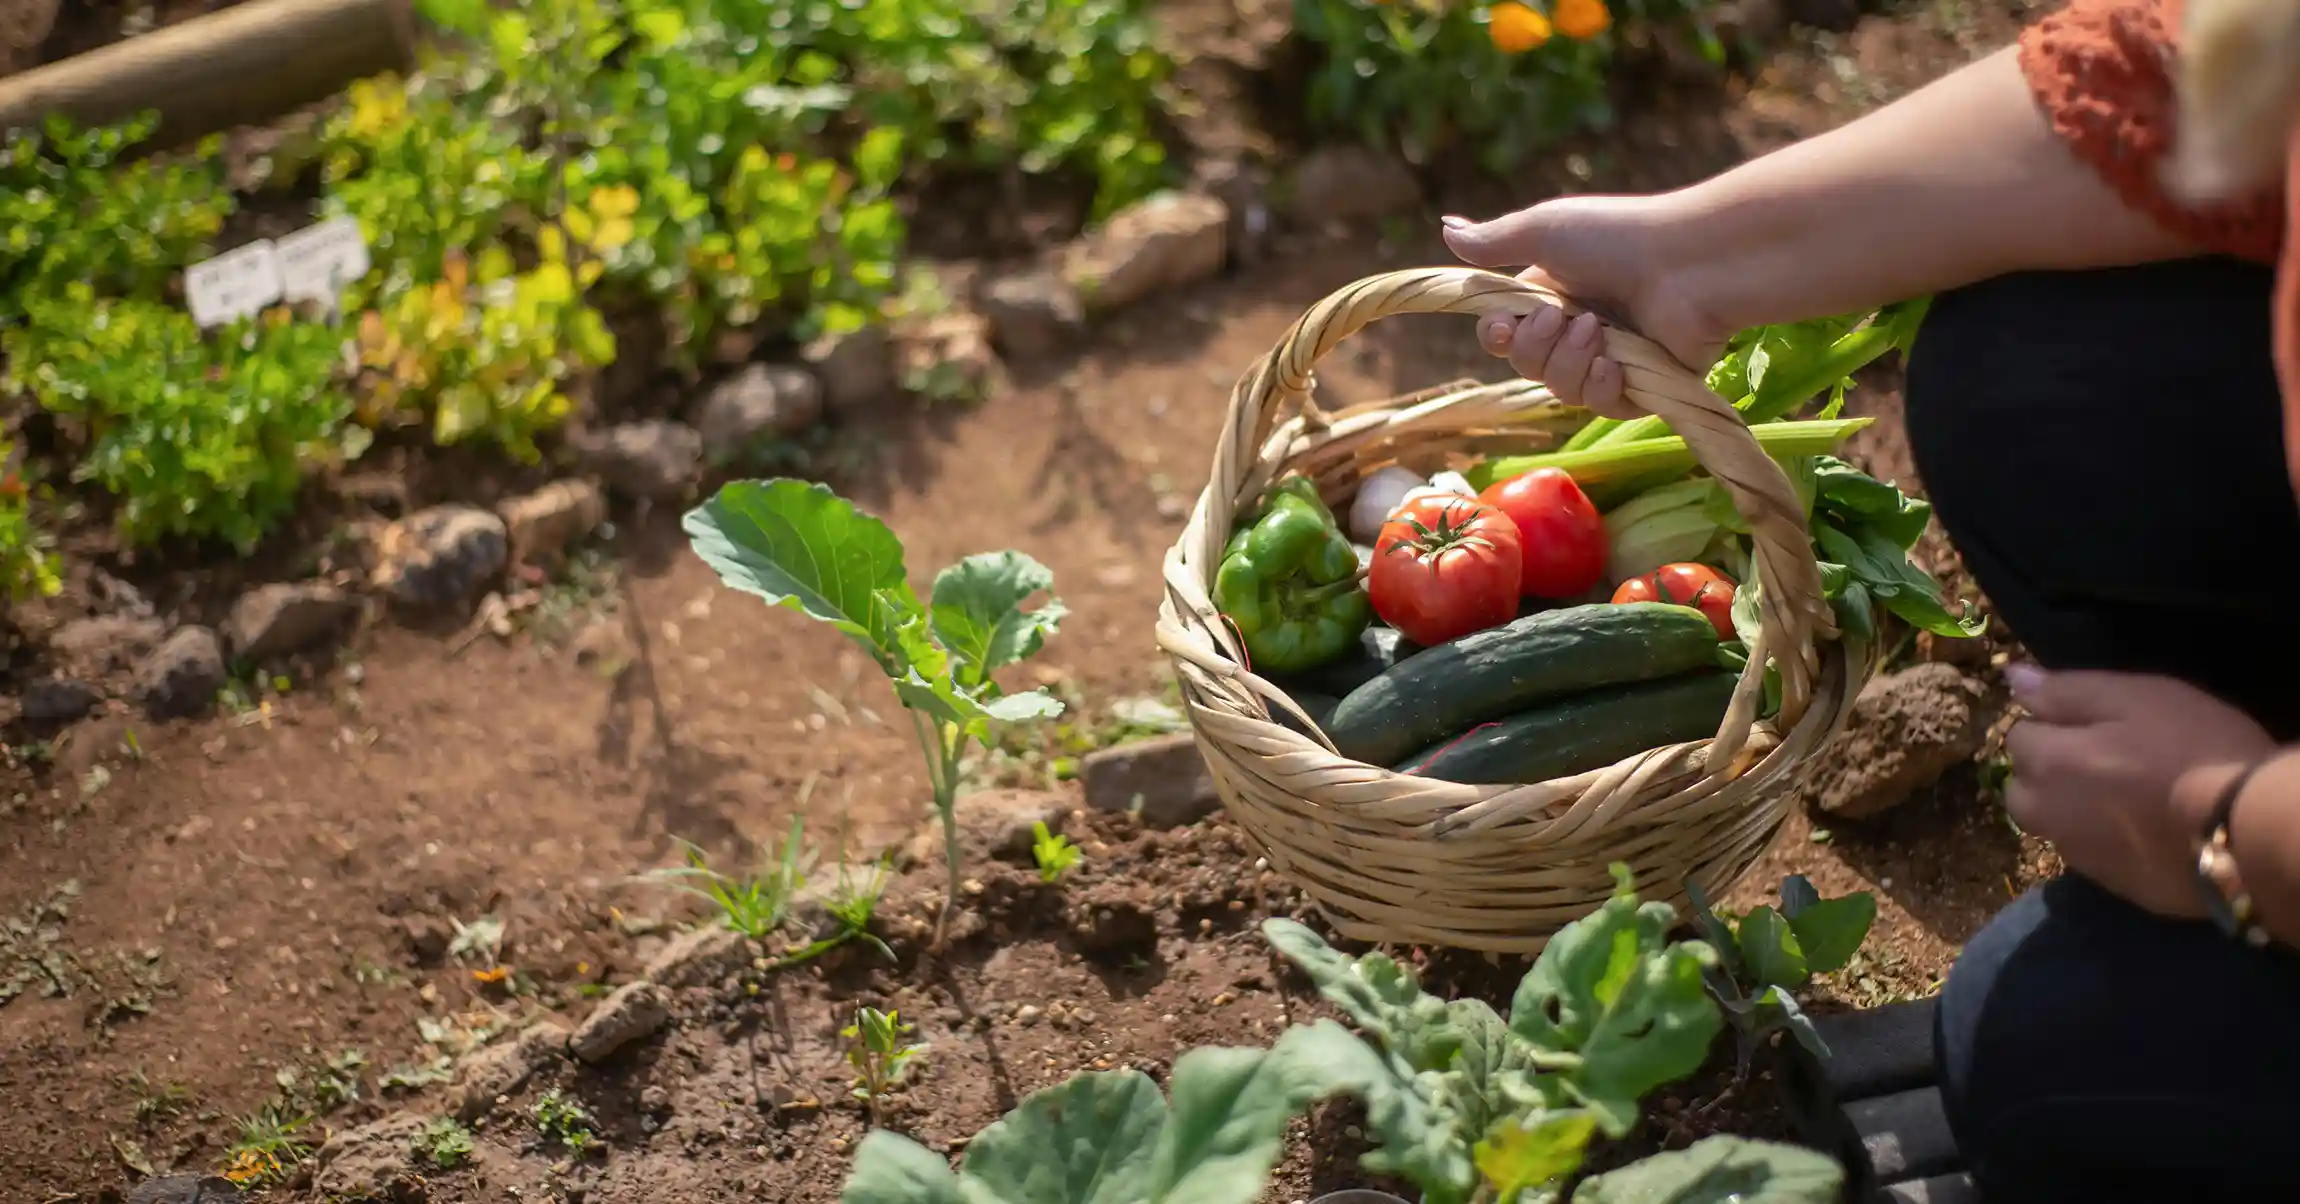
(1794, 611)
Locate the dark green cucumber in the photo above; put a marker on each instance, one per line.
(1585, 732)
(1378, 649)
(1504, 670)
(1318, 705)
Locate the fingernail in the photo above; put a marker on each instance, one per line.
(1455, 221)
(1584, 330)
(2024, 678)
(1494, 333)
(1547, 322)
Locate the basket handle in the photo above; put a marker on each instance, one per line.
(1794, 611)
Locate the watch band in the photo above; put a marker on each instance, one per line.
(2225, 898)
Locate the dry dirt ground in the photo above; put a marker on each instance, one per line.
(257, 909)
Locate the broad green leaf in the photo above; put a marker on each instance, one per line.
(978, 611)
(1916, 596)
(797, 544)
(1713, 929)
(1797, 893)
(1721, 1170)
(1611, 988)
(1515, 1157)
(1231, 1108)
(660, 27)
(1089, 1140)
(1770, 950)
(1376, 992)
(1777, 1008)
(892, 1169)
(1830, 931)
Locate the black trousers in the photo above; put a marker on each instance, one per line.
(2106, 449)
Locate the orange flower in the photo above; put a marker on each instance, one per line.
(1516, 28)
(1582, 19)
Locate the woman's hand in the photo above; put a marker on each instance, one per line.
(1605, 251)
(2120, 771)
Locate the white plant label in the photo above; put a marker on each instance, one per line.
(236, 284)
(316, 262)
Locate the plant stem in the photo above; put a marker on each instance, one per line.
(944, 744)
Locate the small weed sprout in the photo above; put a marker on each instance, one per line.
(1054, 854)
(157, 1101)
(756, 906)
(852, 904)
(444, 1143)
(268, 1145)
(563, 1120)
(881, 1051)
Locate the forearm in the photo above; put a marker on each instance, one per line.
(1955, 183)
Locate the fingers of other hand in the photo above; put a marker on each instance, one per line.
(1561, 353)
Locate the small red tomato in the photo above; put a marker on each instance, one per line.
(1444, 566)
(1695, 585)
(1560, 535)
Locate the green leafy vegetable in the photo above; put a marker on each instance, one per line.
(1720, 1170)
(1765, 954)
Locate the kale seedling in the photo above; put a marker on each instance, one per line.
(1764, 954)
(563, 1120)
(800, 545)
(444, 1143)
(1054, 854)
(881, 1051)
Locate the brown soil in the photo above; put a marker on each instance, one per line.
(258, 893)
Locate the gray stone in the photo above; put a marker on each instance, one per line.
(1349, 182)
(184, 1189)
(1164, 780)
(948, 357)
(495, 1071)
(632, 1013)
(856, 368)
(1033, 314)
(441, 556)
(284, 617)
(655, 460)
(1904, 1135)
(372, 1162)
(59, 700)
(700, 956)
(541, 524)
(182, 675)
(106, 643)
(1907, 729)
(1166, 242)
(763, 401)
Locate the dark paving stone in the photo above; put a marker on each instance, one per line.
(1878, 1052)
(1904, 1135)
(1940, 1189)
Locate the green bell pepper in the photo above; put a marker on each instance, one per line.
(1289, 580)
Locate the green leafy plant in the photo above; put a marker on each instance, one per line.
(881, 1051)
(28, 566)
(212, 445)
(1764, 954)
(561, 1119)
(1469, 1106)
(1054, 854)
(444, 1143)
(801, 546)
(269, 1145)
(756, 905)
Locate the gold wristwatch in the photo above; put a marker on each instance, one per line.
(2225, 898)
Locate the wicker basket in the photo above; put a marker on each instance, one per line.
(1391, 857)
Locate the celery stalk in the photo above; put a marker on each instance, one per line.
(1667, 457)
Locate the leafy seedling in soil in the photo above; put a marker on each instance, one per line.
(1471, 1107)
(1765, 954)
(269, 1145)
(561, 1120)
(444, 1143)
(881, 1051)
(801, 546)
(1055, 855)
(157, 1101)
(756, 906)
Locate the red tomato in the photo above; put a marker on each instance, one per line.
(1444, 566)
(1559, 532)
(1694, 585)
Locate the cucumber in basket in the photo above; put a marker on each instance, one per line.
(1576, 735)
(1504, 670)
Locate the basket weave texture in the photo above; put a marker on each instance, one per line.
(1395, 858)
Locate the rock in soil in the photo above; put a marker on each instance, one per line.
(656, 460)
(857, 368)
(1163, 780)
(630, 1014)
(1032, 314)
(1345, 182)
(184, 1189)
(948, 356)
(1165, 242)
(541, 524)
(992, 823)
(283, 617)
(1907, 729)
(372, 1162)
(440, 557)
(106, 643)
(59, 700)
(763, 401)
(500, 1070)
(701, 956)
(182, 675)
